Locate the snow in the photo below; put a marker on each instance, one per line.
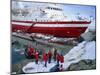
(33, 67)
(90, 50)
(75, 52)
(84, 50)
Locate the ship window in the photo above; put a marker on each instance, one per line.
(57, 9)
(54, 8)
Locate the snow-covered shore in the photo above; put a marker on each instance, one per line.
(84, 50)
(32, 67)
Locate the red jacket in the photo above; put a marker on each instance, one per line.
(49, 54)
(45, 57)
(30, 51)
(61, 59)
(36, 56)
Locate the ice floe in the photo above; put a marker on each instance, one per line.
(84, 50)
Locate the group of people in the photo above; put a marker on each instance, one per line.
(47, 56)
(33, 53)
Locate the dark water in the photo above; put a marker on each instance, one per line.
(17, 56)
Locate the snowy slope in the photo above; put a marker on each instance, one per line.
(84, 50)
(90, 51)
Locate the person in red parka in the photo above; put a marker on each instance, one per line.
(30, 51)
(45, 58)
(49, 56)
(36, 57)
(44, 53)
(61, 59)
(58, 58)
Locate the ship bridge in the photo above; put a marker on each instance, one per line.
(54, 8)
(53, 12)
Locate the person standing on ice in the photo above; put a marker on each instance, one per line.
(49, 56)
(58, 58)
(45, 58)
(61, 58)
(36, 57)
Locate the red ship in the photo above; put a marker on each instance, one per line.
(51, 21)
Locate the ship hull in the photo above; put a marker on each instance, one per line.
(59, 29)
